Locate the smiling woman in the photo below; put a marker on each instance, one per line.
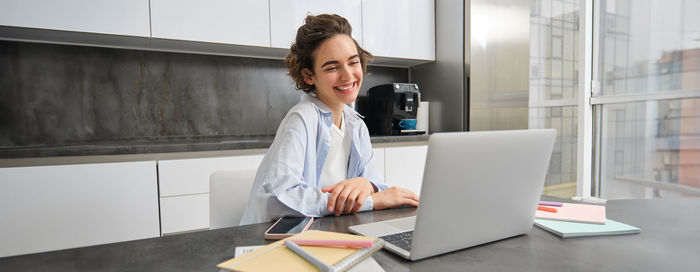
(321, 160)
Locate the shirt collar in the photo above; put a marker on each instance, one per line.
(325, 109)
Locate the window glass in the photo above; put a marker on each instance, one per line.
(650, 149)
(649, 46)
(553, 94)
(554, 41)
(561, 178)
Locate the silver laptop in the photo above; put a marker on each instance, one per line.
(478, 187)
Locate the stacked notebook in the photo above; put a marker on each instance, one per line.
(277, 257)
(575, 220)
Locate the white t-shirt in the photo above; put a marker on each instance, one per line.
(335, 169)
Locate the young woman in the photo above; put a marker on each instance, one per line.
(320, 161)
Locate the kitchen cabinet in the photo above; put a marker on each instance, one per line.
(123, 17)
(399, 29)
(64, 206)
(379, 162)
(184, 189)
(287, 16)
(184, 213)
(405, 165)
(398, 33)
(240, 22)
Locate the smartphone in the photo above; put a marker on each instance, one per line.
(288, 226)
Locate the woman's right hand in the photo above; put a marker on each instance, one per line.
(393, 197)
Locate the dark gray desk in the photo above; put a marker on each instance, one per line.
(670, 241)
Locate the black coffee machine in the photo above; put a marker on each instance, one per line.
(386, 105)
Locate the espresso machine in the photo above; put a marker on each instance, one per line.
(390, 109)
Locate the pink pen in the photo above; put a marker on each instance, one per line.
(326, 243)
(551, 203)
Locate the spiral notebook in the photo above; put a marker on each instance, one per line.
(276, 257)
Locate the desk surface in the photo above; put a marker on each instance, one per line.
(669, 241)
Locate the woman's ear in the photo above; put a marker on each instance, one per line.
(308, 76)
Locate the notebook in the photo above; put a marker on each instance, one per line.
(276, 257)
(572, 212)
(478, 187)
(574, 229)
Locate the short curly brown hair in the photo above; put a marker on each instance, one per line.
(315, 30)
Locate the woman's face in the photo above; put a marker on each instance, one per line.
(337, 73)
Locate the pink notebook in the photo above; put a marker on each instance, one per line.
(571, 212)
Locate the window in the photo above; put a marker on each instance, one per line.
(649, 101)
(554, 73)
(643, 83)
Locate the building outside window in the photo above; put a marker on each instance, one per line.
(646, 99)
(554, 73)
(649, 100)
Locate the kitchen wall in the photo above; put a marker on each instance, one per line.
(65, 95)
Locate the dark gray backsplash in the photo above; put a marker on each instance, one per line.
(54, 95)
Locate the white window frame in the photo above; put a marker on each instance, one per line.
(590, 103)
(584, 150)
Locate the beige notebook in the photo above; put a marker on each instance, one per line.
(572, 212)
(276, 257)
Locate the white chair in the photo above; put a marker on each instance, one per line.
(228, 196)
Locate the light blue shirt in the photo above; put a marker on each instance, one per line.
(287, 181)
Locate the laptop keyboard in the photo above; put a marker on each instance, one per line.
(401, 239)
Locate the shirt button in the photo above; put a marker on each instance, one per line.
(328, 140)
(319, 166)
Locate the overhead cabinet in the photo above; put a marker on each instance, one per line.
(240, 22)
(287, 16)
(399, 28)
(399, 33)
(124, 17)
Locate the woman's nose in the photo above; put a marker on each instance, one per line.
(345, 74)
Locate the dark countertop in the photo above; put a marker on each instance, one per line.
(669, 241)
(140, 146)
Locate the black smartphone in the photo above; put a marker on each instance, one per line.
(288, 226)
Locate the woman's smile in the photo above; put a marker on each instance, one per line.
(346, 88)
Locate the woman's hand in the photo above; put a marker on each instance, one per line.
(347, 196)
(394, 196)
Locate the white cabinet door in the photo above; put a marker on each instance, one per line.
(286, 17)
(117, 17)
(184, 213)
(405, 165)
(399, 28)
(184, 189)
(242, 22)
(379, 162)
(191, 176)
(56, 207)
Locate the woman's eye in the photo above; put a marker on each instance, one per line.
(330, 68)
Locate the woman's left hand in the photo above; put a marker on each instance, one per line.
(347, 196)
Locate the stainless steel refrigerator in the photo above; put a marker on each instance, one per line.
(480, 78)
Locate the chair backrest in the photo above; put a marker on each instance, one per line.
(228, 196)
